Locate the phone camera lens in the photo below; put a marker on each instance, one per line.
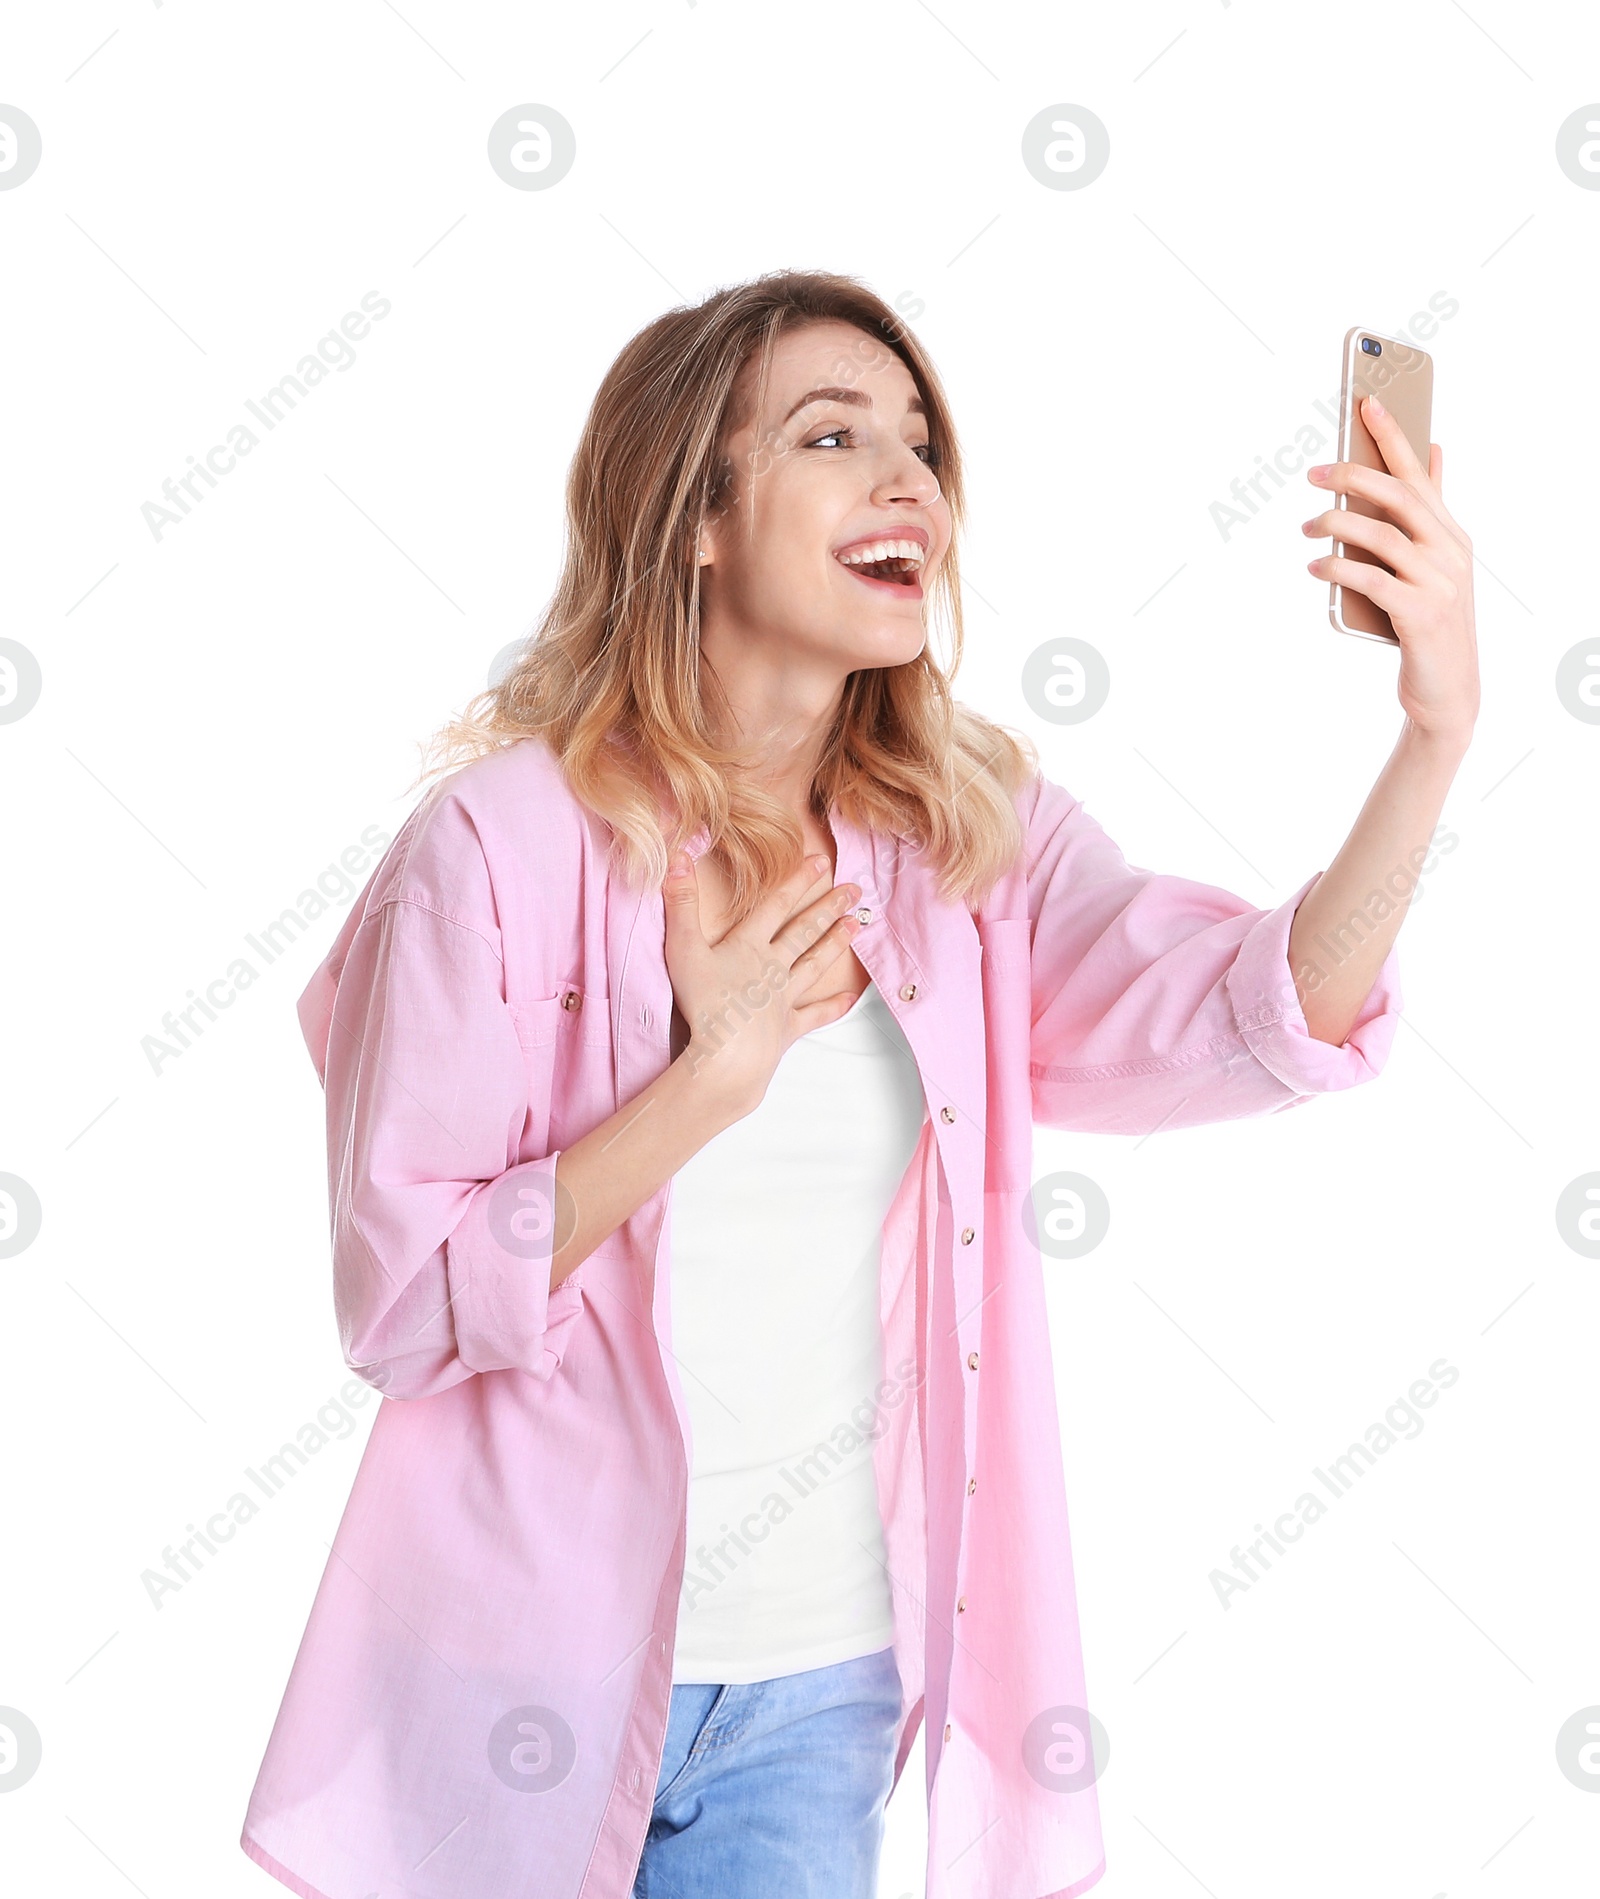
(1371, 346)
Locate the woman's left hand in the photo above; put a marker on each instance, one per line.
(1428, 598)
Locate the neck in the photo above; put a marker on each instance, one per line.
(782, 740)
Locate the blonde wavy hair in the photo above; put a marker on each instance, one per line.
(611, 676)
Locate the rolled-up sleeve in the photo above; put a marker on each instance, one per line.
(441, 1236)
(1159, 1002)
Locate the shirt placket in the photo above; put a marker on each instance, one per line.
(923, 1009)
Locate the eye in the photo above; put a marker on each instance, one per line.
(844, 433)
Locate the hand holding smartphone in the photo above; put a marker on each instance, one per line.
(1401, 376)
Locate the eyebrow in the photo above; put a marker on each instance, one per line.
(851, 396)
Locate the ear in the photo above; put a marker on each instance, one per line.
(706, 543)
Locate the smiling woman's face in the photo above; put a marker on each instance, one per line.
(835, 469)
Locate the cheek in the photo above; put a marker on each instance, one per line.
(793, 542)
(773, 578)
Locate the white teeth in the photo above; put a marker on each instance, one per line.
(882, 550)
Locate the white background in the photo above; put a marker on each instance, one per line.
(227, 708)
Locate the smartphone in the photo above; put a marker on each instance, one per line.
(1401, 376)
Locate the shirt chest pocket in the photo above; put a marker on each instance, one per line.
(538, 1024)
(566, 1049)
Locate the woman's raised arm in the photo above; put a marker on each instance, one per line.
(1159, 1002)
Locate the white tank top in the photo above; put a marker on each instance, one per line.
(775, 1236)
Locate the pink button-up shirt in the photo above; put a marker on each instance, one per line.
(479, 1703)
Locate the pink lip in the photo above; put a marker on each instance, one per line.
(897, 531)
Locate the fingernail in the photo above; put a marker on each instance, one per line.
(1320, 472)
(1375, 407)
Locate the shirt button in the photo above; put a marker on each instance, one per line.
(968, 1235)
(947, 1730)
(572, 1000)
(863, 916)
(972, 1484)
(972, 1361)
(947, 1114)
(961, 1605)
(908, 992)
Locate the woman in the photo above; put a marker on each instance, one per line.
(681, 1061)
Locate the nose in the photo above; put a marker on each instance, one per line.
(910, 481)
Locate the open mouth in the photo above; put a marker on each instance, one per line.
(895, 564)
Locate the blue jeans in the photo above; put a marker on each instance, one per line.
(775, 1787)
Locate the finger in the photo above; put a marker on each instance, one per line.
(1418, 511)
(1394, 445)
(817, 923)
(680, 896)
(1360, 576)
(817, 963)
(1391, 546)
(785, 898)
(817, 892)
(825, 1009)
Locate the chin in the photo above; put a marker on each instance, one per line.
(894, 643)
